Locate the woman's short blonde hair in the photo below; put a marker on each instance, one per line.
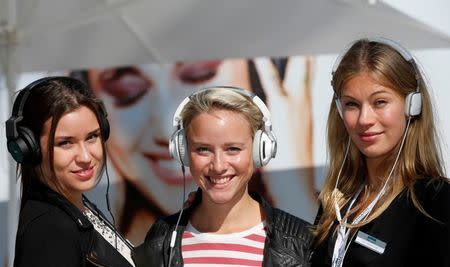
(215, 98)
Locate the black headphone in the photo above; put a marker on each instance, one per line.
(22, 142)
(264, 141)
(413, 101)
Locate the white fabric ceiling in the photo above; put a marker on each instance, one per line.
(66, 34)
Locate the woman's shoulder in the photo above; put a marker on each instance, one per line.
(45, 224)
(291, 238)
(434, 195)
(161, 227)
(433, 188)
(35, 211)
(150, 251)
(42, 216)
(40, 221)
(291, 225)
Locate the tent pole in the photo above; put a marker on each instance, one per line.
(13, 203)
(10, 71)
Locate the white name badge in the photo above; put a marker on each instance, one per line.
(370, 242)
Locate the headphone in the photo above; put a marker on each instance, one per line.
(413, 101)
(22, 143)
(264, 141)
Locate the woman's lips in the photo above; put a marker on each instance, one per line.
(368, 137)
(219, 182)
(128, 84)
(169, 176)
(125, 84)
(85, 174)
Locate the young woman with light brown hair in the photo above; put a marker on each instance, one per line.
(385, 201)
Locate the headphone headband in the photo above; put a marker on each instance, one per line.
(382, 40)
(177, 120)
(19, 104)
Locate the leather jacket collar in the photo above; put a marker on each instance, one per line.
(41, 192)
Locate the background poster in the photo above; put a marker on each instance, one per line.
(141, 101)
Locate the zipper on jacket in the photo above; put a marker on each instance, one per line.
(93, 260)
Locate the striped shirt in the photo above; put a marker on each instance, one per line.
(226, 250)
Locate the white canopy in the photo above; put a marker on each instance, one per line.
(69, 34)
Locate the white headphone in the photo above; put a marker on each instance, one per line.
(413, 101)
(264, 141)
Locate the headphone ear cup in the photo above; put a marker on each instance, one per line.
(104, 127)
(256, 147)
(34, 153)
(262, 149)
(17, 148)
(25, 148)
(413, 104)
(178, 147)
(103, 120)
(338, 103)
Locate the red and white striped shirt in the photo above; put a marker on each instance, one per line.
(237, 249)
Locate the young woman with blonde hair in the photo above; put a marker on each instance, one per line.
(223, 134)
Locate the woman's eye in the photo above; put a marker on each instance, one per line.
(92, 138)
(126, 85)
(380, 102)
(350, 104)
(63, 144)
(234, 150)
(201, 149)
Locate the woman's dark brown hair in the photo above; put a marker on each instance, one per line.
(51, 99)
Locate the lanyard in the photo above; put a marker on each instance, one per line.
(340, 246)
(342, 233)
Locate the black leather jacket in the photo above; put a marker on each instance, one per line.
(288, 241)
(53, 232)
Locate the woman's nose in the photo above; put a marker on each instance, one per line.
(83, 155)
(219, 164)
(366, 115)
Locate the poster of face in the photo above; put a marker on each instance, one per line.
(141, 100)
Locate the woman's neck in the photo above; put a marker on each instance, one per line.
(378, 176)
(233, 217)
(76, 198)
(378, 171)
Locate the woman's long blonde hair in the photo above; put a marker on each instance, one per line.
(421, 157)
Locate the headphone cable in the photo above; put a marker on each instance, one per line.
(109, 206)
(174, 233)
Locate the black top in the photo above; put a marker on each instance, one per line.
(288, 239)
(412, 239)
(53, 232)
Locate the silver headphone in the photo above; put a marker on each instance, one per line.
(413, 101)
(264, 141)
